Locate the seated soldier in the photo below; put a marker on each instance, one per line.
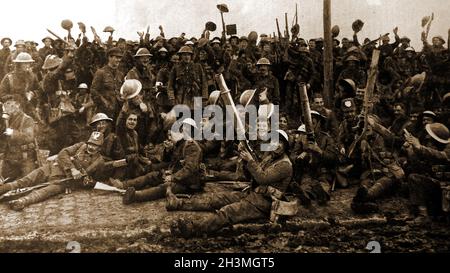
(271, 175)
(75, 166)
(181, 176)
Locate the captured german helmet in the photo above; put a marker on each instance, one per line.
(99, 117)
(96, 138)
(438, 132)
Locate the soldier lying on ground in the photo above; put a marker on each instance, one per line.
(271, 175)
(76, 166)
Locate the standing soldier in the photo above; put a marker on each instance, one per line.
(265, 79)
(23, 83)
(47, 49)
(4, 55)
(144, 73)
(20, 47)
(187, 80)
(106, 85)
(18, 136)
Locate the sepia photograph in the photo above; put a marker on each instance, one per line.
(255, 127)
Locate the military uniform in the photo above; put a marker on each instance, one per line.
(105, 90)
(185, 171)
(73, 157)
(19, 148)
(187, 81)
(19, 84)
(4, 55)
(271, 176)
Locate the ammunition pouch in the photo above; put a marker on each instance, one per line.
(283, 208)
(270, 192)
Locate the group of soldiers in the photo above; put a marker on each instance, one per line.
(103, 111)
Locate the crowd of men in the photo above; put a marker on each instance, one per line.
(104, 109)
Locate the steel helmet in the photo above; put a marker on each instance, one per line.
(263, 61)
(438, 132)
(348, 83)
(335, 31)
(66, 24)
(96, 138)
(185, 49)
(142, 52)
(189, 43)
(302, 128)
(19, 43)
(247, 97)
(411, 49)
(163, 49)
(51, 61)
(130, 89)
(190, 122)
(214, 97)
(23, 57)
(99, 117)
(109, 29)
(317, 114)
(83, 86)
(429, 114)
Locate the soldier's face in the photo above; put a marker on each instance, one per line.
(131, 122)
(47, 42)
(22, 67)
(101, 126)
(6, 43)
(427, 120)
(203, 56)
(92, 149)
(20, 49)
(143, 60)
(263, 70)
(186, 57)
(437, 42)
(216, 45)
(114, 61)
(349, 114)
(398, 111)
(284, 124)
(243, 44)
(318, 103)
(10, 107)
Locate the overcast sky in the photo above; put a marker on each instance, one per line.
(189, 16)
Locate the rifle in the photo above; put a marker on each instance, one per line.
(306, 111)
(59, 38)
(38, 157)
(228, 100)
(278, 29)
(373, 72)
(287, 26)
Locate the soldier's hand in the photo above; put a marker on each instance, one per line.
(245, 155)
(140, 33)
(76, 174)
(8, 132)
(424, 36)
(395, 30)
(413, 141)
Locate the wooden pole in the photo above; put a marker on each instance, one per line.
(328, 89)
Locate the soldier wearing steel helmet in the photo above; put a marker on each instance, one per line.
(271, 175)
(429, 190)
(265, 80)
(24, 83)
(187, 80)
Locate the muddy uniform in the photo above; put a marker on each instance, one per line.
(187, 81)
(19, 148)
(272, 177)
(75, 156)
(19, 84)
(317, 168)
(185, 171)
(105, 90)
(426, 187)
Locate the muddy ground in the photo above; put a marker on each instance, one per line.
(100, 223)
